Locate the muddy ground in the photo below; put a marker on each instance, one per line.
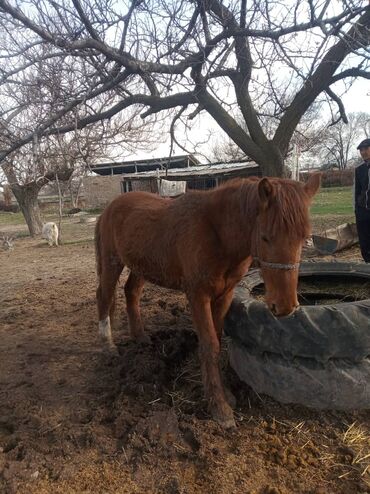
(76, 420)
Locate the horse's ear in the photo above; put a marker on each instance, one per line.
(266, 192)
(313, 183)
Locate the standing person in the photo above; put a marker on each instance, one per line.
(362, 199)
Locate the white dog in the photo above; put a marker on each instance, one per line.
(50, 233)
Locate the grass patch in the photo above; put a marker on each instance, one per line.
(332, 207)
(333, 201)
(11, 218)
(21, 234)
(80, 241)
(94, 210)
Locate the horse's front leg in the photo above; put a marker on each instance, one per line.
(219, 307)
(209, 351)
(133, 289)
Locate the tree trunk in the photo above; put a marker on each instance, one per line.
(272, 168)
(27, 199)
(272, 163)
(7, 192)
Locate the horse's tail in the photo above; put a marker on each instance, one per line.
(99, 270)
(98, 248)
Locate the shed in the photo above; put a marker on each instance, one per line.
(197, 177)
(113, 179)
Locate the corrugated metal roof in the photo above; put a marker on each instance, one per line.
(198, 170)
(150, 164)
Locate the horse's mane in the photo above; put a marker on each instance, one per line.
(288, 211)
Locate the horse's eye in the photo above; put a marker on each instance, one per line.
(264, 238)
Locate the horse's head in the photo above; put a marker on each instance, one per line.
(281, 228)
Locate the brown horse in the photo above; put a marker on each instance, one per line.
(203, 243)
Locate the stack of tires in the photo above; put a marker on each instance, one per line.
(319, 356)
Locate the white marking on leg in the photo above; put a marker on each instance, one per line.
(105, 329)
(106, 333)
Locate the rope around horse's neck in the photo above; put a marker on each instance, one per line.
(276, 265)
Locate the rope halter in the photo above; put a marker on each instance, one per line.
(276, 265)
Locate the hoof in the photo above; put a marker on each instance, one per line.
(224, 416)
(113, 350)
(226, 422)
(110, 348)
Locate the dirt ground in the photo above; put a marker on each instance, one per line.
(74, 419)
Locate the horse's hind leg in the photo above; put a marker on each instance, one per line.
(133, 289)
(105, 295)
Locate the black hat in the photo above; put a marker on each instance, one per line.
(364, 144)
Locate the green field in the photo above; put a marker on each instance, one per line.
(17, 218)
(333, 200)
(11, 218)
(332, 207)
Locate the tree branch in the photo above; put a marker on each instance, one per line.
(155, 102)
(358, 35)
(339, 102)
(231, 29)
(85, 20)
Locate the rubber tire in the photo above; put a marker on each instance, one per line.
(319, 356)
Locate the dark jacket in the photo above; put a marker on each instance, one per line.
(362, 190)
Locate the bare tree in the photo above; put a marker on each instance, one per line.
(62, 157)
(225, 150)
(337, 143)
(26, 189)
(58, 155)
(189, 57)
(105, 140)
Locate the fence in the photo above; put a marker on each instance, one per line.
(332, 178)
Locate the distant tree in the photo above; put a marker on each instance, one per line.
(62, 157)
(225, 150)
(337, 146)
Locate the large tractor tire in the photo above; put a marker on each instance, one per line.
(319, 356)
